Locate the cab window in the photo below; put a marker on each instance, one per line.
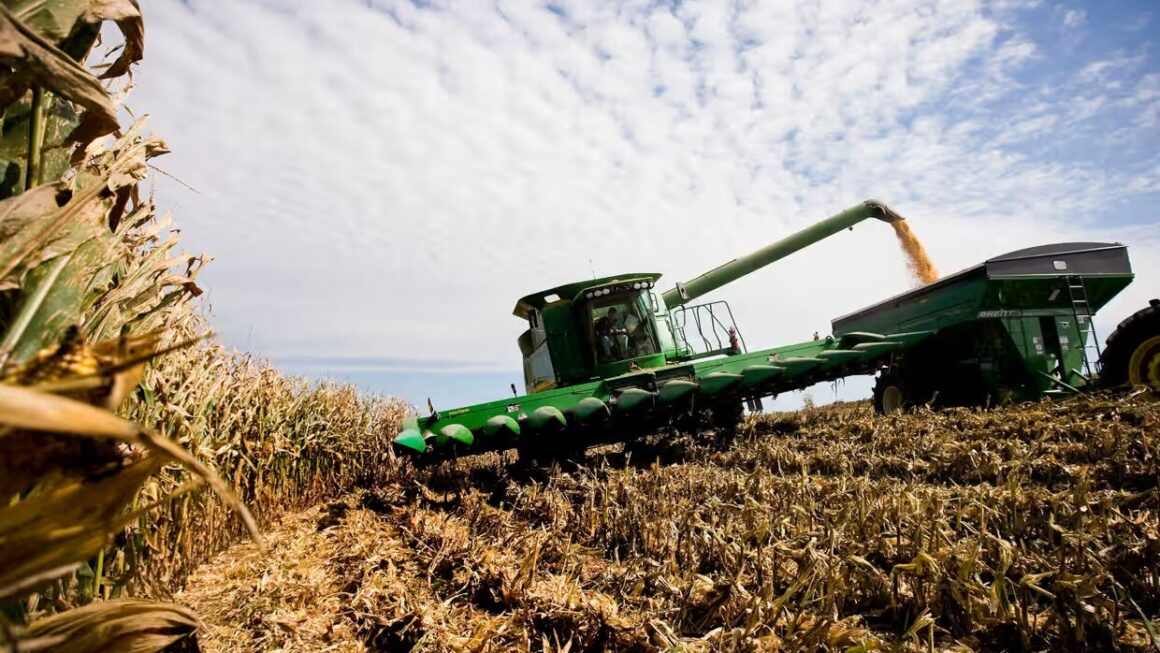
(621, 327)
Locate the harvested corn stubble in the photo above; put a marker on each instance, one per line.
(831, 528)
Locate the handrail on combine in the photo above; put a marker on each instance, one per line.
(707, 319)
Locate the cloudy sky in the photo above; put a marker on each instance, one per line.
(380, 180)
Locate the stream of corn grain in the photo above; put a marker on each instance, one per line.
(917, 260)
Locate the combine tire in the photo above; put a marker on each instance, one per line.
(1132, 353)
(728, 416)
(722, 420)
(890, 395)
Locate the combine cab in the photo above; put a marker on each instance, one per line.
(607, 359)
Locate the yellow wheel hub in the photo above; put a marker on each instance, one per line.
(1144, 365)
(892, 399)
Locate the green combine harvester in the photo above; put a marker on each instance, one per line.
(609, 359)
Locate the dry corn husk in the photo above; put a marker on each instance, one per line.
(123, 625)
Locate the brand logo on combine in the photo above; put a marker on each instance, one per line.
(1000, 313)
(457, 412)
(513, 408)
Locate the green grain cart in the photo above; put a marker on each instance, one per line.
(608, 359)
(1016, 327)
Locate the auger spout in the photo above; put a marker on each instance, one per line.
(739, 267)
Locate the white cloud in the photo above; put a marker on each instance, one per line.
(1073, 18)
(1146, 100)
(384, 180)
(1102, 70)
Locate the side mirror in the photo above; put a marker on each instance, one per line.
(652, 300)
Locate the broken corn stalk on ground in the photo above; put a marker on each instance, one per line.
(1031, 527)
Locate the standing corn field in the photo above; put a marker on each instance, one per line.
(114, 411)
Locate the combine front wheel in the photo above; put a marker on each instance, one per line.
(727, 416)
(1132, 354)
(889, 394)
(723, 418)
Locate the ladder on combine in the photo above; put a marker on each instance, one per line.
(1081, 309)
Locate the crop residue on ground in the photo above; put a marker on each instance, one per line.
(1029, 527)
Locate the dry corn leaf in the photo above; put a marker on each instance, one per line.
(37, 411)
(33, 60)
(122, 625)
(65, 525)
(56, 295)
(45, 223)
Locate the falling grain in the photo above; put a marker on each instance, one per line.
(916, 258)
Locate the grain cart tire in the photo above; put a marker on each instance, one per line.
(890, 395)
(1132, 353)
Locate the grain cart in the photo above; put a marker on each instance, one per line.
(1015, 327)
(608, 359)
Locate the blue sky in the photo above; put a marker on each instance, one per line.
(380, 180)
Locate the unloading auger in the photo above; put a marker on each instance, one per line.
(608, 359)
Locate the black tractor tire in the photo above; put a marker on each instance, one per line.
(727, 416)
(718, 423)
(890, 394)
(1131, 354)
